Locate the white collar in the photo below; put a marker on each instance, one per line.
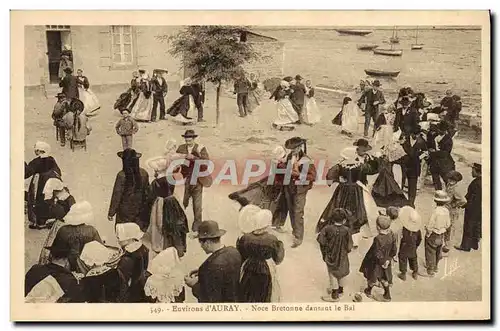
(133, 246)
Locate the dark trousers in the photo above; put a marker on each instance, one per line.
(412, 189)
(295, 205)
(158, 99)
(196, 193)
(369, 115)
(200, 111)
(433, 254)
(242, 101)
(404, 261)
(437, 174)
(62, 134)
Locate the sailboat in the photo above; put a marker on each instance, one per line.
(388, 51)
(394, 39)
(416, 45)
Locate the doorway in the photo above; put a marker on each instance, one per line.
(55, 42)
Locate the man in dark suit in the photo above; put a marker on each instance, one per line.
(298, 96)
(441, 162)
(407, 117)
(218, 278)
(372, 98)
(241, 88)
(69, 85)
(199, 97)
(414, 146)
(159, 88)
(193, 152)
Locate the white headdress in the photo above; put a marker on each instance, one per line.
(52, 184)
(166, 280)
(80, 213)
(46, 291)
(43, 146)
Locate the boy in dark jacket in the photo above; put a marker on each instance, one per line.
(126, 127)
(376, 266)
(411, 237)
(336, 243)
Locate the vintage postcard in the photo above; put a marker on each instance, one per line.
(250, 165)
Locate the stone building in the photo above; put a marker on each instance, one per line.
(109, 54)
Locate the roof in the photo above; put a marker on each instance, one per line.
(258, 35)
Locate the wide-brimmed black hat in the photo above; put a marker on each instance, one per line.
(61, 95)
(298, 77)
(209, 230)
(294, 142)
(477, 166)
(376, 83)
(189, 134)
(161, 71)
(142, 71)
(68, 70)
(362, 144)
(129, 153)
(288, 79)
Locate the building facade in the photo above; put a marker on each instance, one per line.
(109, 54)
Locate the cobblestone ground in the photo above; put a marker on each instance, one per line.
(90, 176)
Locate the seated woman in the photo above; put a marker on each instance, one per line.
(77, 231)
(77, 124)
(184, 105)
(133, 263)
(53, 282)
(165, 280)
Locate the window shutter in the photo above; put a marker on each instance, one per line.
(105, 46)
(141, 53)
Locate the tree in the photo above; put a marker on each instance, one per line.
(215, 53)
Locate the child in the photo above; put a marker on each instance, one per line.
(435, 231)
(336, 242)
(126, 128)
(133, 264)
(393, 213)
(411, 237)
(376, 266)
(457, 201)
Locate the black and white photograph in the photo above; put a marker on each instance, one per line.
(220, 169)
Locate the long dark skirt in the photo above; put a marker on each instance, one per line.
(348, 196)
(386, 191)
(338, 119)
(265, 196)
(256, 282)
(175, 225)
(180, 106)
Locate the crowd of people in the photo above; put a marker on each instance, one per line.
(77, 265)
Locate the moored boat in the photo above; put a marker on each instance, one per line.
(416, 45)
(388, 51)
(367, 47)
(394, 39)
(382, 73)
(353, 32)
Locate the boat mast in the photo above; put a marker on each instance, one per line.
(416, 36)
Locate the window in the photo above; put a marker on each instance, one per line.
(57, 27)
(121, 44)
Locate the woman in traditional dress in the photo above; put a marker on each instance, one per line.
(77, 229)
(255, 94)
(133, 263)
(131, 192)
(386, 191)
(66, 60)
(168, 225)
(287, 116)
(89, 99)
(184, 105)
(165, 279)
(143, 105)
(347, 118)
(260, 252)
(267, 192)
(40, 169)
(311, 110)
(351, 193)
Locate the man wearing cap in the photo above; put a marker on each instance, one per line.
(473, 213)
(56, 274)
(372, 98)
(298, 96)
(296, 189)
(218, 278)
(193, 152)
(241, 88)
(159, 88)
(69, 84)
